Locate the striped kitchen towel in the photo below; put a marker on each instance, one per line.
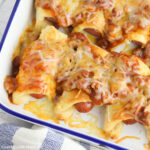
(19, 135)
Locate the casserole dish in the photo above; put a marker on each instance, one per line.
(22, 13)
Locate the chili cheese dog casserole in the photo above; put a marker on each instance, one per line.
(69, 56)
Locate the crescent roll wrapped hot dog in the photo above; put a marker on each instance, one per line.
(38, 67)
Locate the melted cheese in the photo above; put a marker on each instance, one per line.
(41, 14)
(65, 106)
(90, 125)
(50, 33)
(70, 7)
(146, 146)
(43, 109)
(127, 137)
(113, 128)
(38, 67)
(96, 22)
(129, 16)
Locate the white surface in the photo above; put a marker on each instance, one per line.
(19, 23)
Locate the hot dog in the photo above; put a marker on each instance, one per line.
(37, 96)
(84, 107)
(129, 121)
(92, 31)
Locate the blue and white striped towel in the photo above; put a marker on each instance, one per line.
(19, 135)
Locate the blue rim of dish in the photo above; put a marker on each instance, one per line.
(40, 122)
(58, 128)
